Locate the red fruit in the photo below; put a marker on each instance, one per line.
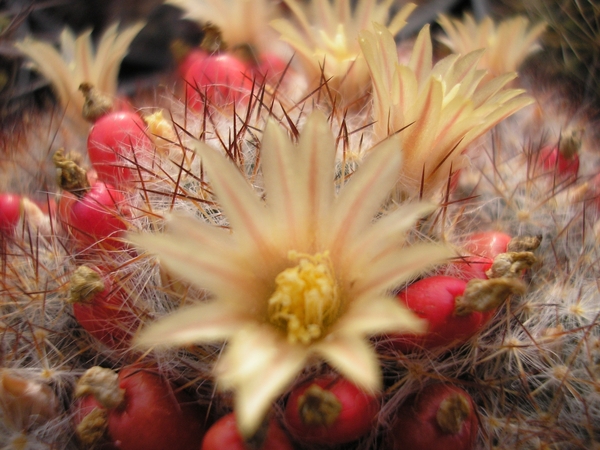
(470, 267)
(440, 416)
(483, 247)
(434, 299)
(116, 141)
(270, 67)
(101, 308)
(222, 78)
(565, 165)
(188, 60)
(224, 434)
(487, 243)
(330, 410)
(97, 217)
(10, 212)
(35, 215)
(89, 407)
(142, 412)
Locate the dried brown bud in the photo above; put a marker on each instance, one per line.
(486, 295)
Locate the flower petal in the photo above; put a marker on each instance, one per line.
(48, 62)
(362, 196)
(353, 357)
(316, 166)
(203, 323)
(215, 270)
(243, 208)
(379, 50)
(377, 315)
(259, 366)
(399, 20)
(387, 232)
(398, 266)
(280, 178)
(422, 55)
(112, 48)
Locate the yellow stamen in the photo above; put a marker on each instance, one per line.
(306, 300)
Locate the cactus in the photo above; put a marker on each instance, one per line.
(532, 371)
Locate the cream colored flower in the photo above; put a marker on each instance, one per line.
(304, 275)
(325, 38)
(444, 107)
(78, 62)
(242, 22)
(507, 44)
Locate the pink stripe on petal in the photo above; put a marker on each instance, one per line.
(204, 323)
(280, 176)
(362, 196)
(399, 266)
(243, 208)
(316, 166)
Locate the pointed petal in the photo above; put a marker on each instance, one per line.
(243, 208)
(379, 50)
(443, 66)
(282, 187)
(386, 232)
(110, 54)
(316, 166)
(259, 365)
(422, 55)
(299, 14)
(354, 358)
(407, 92)
(398, 266)
(377, 315)
(464, 66)
(418, 138)
(203, 323)
(399, 20)
(48, 62)
(215, 271)
(362, 196)
(491, 88)
(212, 238)
(84, 57)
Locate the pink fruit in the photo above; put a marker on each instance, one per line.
(270, 67)
(439, 417)
(97, 217)
(140, 411)
(101, 307)
(189, 59)
(487, 243)
(116, 142)
(224, 434)
(330, 410)
(220, 78)
(483, 247)
(564, 163)
(470, 267)
(88, 407)
(434, 299)
(10, 212)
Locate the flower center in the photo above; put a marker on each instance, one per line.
(306, 300)
(338, 45)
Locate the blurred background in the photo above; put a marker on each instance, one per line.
(569, 62)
